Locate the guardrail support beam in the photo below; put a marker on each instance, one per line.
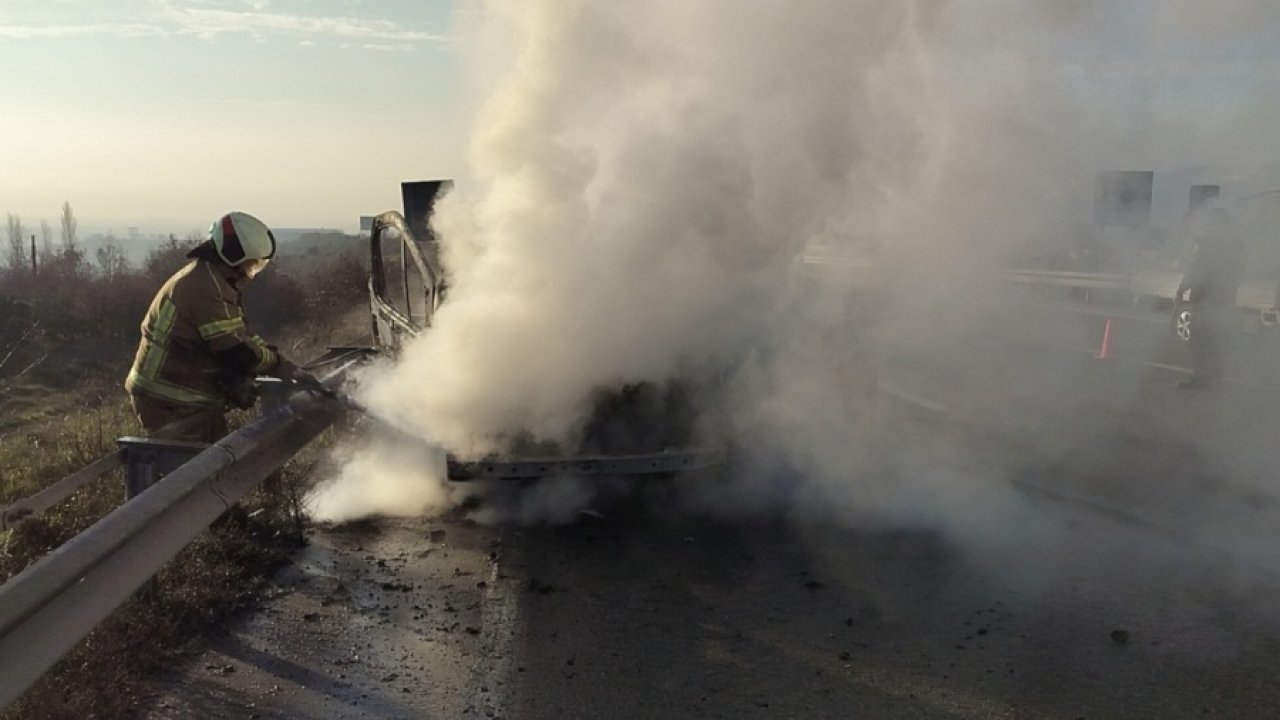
(147, 460)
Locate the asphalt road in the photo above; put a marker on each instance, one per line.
(707, 619)
(1097, 548)
(650, 613)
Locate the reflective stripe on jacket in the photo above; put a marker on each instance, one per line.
(195, 314)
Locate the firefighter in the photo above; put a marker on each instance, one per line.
(197, 356)
(1213, 280)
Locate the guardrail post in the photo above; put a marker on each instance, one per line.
(272, 394)
(147, 460)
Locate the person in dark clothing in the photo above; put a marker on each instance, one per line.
(196, 356)
(1212, 281)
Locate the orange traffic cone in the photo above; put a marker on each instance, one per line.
(1104, 351)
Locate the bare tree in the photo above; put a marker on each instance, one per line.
(46, 239)
(112, 261)
(68, 229)
(17, 248)
(170, 255)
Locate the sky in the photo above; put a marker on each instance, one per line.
(163, 114)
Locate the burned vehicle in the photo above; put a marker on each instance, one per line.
(642, 429)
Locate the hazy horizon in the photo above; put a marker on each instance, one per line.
(163, 114)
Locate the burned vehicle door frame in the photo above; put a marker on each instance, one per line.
(418, 279)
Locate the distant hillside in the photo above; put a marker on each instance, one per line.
(303, 254)
(290, 234)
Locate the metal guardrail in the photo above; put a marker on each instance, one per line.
(146, 460)
(1087, 281)
(1060, 278)
(1259, 295)
(59, 491)
(50, 606)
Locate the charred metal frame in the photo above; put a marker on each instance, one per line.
(391, 323)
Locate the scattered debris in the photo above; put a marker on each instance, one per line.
(537, 586)
(1120, 637)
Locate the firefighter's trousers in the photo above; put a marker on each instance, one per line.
(170, 421)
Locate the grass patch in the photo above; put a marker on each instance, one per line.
(43, 451)
(220, 573)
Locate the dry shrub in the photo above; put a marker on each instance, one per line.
(273, 301)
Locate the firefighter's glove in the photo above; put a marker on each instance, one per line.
(242, 392)
(295, 375)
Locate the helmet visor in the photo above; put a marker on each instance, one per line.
(253, 267)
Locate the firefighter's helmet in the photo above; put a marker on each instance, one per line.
(243, 241)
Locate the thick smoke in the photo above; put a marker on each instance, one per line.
(646, 176)
(386, 478)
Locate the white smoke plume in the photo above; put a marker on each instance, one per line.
(385, 478)
(644, 177)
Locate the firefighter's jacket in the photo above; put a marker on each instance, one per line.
(195, 345)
